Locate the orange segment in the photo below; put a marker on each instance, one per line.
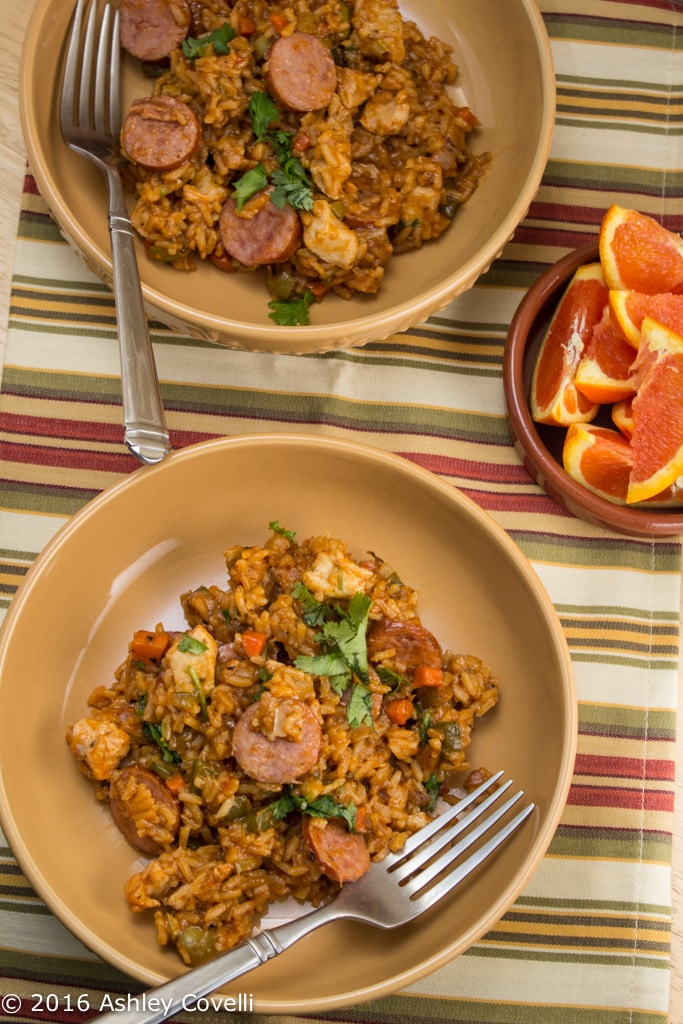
(657, 440)
(554, 397)
(638, 254)
(604, 373)
(629, 309)
(600, 459)
(622, 416)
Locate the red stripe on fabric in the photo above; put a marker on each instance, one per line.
(487, 472)
(40, 426)
(625, 767)
(628, 799)
(69, 458)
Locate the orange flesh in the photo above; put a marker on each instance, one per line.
(658, 417)
(646, 255)
(579, 310)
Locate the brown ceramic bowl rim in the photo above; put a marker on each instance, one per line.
(549, 473)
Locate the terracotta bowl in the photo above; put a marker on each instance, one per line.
(539, 445)
(517, 126)
(127, 557)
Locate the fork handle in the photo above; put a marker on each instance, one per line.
(183, 992)
(145, 430)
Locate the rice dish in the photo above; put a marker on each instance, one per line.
(314, 140)
(300, 728)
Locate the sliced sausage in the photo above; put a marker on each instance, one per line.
(150, 29)
(279, 759)
(342, 855)
(160, 133)
(271, 235)
(300, 72)
(410, 644)
(146, 812)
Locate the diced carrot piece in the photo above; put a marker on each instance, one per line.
(149, 647)
(174, 783)
(428, 675)
(279, 22)
(247, 25)
(400, 710)
(253, 642)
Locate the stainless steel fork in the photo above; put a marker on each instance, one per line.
(90, 119)
(393, 892)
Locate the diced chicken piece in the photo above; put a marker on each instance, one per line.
(329, 161)
(194, 654)
(355, 87)
(329, 239)
(379, 28)
(386, 112)
(98, 744)
(336, 576)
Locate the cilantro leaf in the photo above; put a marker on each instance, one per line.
(276, 528)
(263, 113)
(432, 785)
(249, 184)
(190, 645)
(359, 711)
(322, 807)
(314, 612)
(291, 187)
(218, 38)
(290, 312)
(154, 732)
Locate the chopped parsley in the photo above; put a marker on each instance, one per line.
(290, 312)
(218, 38)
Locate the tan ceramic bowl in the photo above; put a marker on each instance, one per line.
(127, 557)
(506, 75)
(540, 446)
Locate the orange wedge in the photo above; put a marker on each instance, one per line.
(638, 254)
(657, 439)
(622, 416)
(598, 458)
(629, 309)
(554, 397)
(601, 460)
(604, 373)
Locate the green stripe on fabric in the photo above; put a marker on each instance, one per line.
(60, 501)
(410, 1007)
(634, 723)
(622, 844)
(605, 551)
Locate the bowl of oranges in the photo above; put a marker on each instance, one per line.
(593, 378)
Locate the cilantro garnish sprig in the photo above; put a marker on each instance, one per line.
(322, 807)
(218, 38)
(290, 180)
(344, 655)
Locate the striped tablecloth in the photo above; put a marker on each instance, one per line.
(588, 940)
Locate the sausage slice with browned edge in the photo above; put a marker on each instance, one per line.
(271, 235)
(342, 855)
(411, 643)
(150, 29)
(280, 759)
(300, 72)
(145, 811)
(160, 133)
